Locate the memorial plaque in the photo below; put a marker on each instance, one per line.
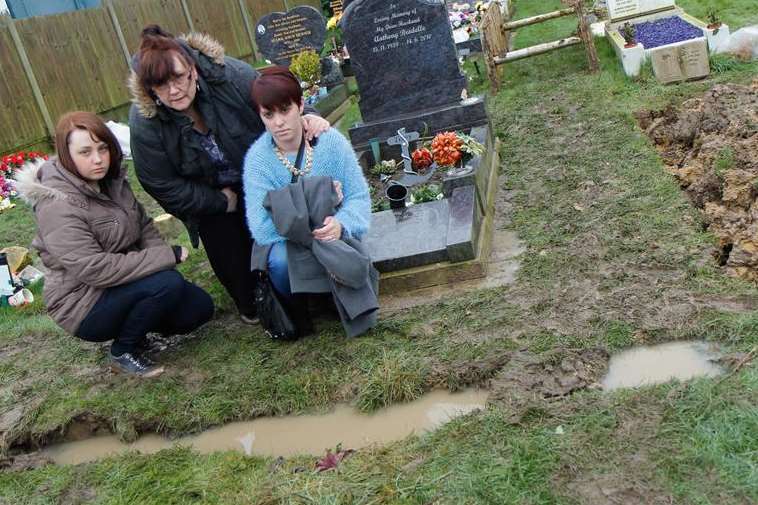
(681, 62)
(403, 56)
(280, 36)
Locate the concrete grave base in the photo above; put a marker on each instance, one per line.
(467, 240)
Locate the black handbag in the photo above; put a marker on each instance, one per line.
(274, 317)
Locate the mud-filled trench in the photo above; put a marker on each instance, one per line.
(292, 435)
(558, 373)
(710, 144)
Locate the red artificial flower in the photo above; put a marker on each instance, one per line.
(33, 155)
(46, 157)
(4, 167)
(19, 160)
(422, 158)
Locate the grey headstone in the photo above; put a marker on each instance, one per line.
(280, 35)
(403, 56)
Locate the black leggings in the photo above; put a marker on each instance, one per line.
(228, 244)
(162, 302)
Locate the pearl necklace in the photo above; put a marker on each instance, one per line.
(292, 168)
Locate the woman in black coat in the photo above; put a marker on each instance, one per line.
(191, 123)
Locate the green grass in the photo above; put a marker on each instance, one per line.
(614, 251)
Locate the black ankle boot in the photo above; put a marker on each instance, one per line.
(298, 310)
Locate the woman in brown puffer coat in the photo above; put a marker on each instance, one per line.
(111, 275)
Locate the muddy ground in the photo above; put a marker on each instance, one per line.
(710, 144)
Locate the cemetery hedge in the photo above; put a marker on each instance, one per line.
(615, 256)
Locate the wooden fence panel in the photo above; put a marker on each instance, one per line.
(134, 15)
(21, 120)
(77, 60)
(222, 20)
(259, 8)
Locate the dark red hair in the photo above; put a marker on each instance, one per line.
(80, 120)
(156, 57)
(275, 88)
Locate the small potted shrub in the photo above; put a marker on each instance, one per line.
(713, 19)
(629, 33)
(306, 65)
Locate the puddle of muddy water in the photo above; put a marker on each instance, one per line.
(289, 436)
(502, 266)
(657, 364)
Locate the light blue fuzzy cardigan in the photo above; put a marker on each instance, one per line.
(333, 156)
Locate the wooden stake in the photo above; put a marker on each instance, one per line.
(585, 33)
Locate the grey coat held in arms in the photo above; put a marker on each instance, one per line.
(342, 267)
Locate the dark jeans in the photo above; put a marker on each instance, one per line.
(228, 245)
(162, 302)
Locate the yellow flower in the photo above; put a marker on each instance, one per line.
(333, 21)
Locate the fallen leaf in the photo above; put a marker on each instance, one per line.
(332, 459)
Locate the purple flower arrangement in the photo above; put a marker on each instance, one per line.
(665, 31)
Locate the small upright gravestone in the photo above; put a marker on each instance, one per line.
(406, 66)
(280, 36)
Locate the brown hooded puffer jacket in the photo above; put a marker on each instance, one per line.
(88, 240)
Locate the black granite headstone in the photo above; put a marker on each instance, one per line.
(280, 36)
(403, 56)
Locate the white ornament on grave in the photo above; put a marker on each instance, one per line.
(404, 139)
(410, 176)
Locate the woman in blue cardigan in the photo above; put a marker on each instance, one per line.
(270, 164)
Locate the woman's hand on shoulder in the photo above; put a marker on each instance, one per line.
(231, 199)
(332, 230)
(314, 126)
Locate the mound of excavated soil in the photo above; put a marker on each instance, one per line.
(711, 145)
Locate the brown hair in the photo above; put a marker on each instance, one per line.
(156, 57)
(275, 88)
(80, 120)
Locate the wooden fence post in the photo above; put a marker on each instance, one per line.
(31, 77)
(187, 15)
(249, 29)
(119, 32)
(585, 33)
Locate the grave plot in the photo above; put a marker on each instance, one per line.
(438, 214)
(411, 85)
(676, 42)
(711, 146)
